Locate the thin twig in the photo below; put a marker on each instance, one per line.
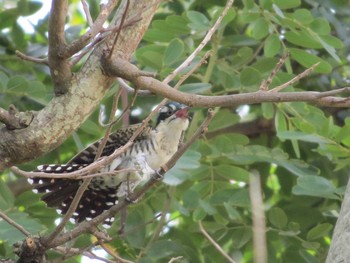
(95, 29)
(102, 144)
(14, 224)
(295, 79)
(92, 255)
(114, 254)
(129, 89)
(73, 206)
(184, 77)
(87, 13)
(259, 222)
(213, 242)
(172, 260)
(204, 42)
(120, 27)
(102, 112)
(32, 59)
(266, 83)
(157, 231)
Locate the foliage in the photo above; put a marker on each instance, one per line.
(303, 163)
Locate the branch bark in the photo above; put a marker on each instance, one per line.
(52, 125)
(339, 249)
(59, 66)
(126, 70)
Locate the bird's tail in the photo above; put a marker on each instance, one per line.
(59, 192)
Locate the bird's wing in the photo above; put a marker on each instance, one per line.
(115, 140)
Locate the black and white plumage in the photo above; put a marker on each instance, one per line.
(151, 149)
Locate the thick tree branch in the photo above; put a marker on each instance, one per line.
(339, 249)
(126, 70)
(54, 124)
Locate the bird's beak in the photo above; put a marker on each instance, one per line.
(183, 113)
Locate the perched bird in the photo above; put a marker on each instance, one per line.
(151, 149)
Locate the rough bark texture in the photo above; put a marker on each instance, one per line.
(55, 123)
(339, 251)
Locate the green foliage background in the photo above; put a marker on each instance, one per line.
(302, 158)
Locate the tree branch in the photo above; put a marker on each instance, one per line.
(32, 59)
(14, 224)
(206, 39)
(258, 216)
(13, 119)
(125, 70)
(64, 114)
(95, 29)
(59, 66)
(216, 245)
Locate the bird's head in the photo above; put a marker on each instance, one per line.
(174, 114)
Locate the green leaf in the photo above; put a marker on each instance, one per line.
(232, 172)
(26, 7)
(307, 60)
(18, 84)
(152, 59)
(17, 34)
(196, 88)
(315, 186)
(320, 26)
(268, 110)
(240, 198)
(136, 220)
(303, 16)
(90, 127)
(36, 89)
(11, 234)
(278, 217)
(199, 214)
(250, 77)
(198, 21)
(232, 213)
(278, 11)
(329, 49)
(178, 174)
(207, 207)
(173, 51)
(280, 123)
(311, 245)
(223, 118)
(154, 35)
(283, 4)
(319, 231)
(190, 199)
(296, 135)
(163, 249)
(241, 236)
(302, 39)
(260, 28)
(6, 197)
(256, 153)
(3, 81)
(272, 46)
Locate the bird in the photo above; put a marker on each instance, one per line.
(152, 148)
